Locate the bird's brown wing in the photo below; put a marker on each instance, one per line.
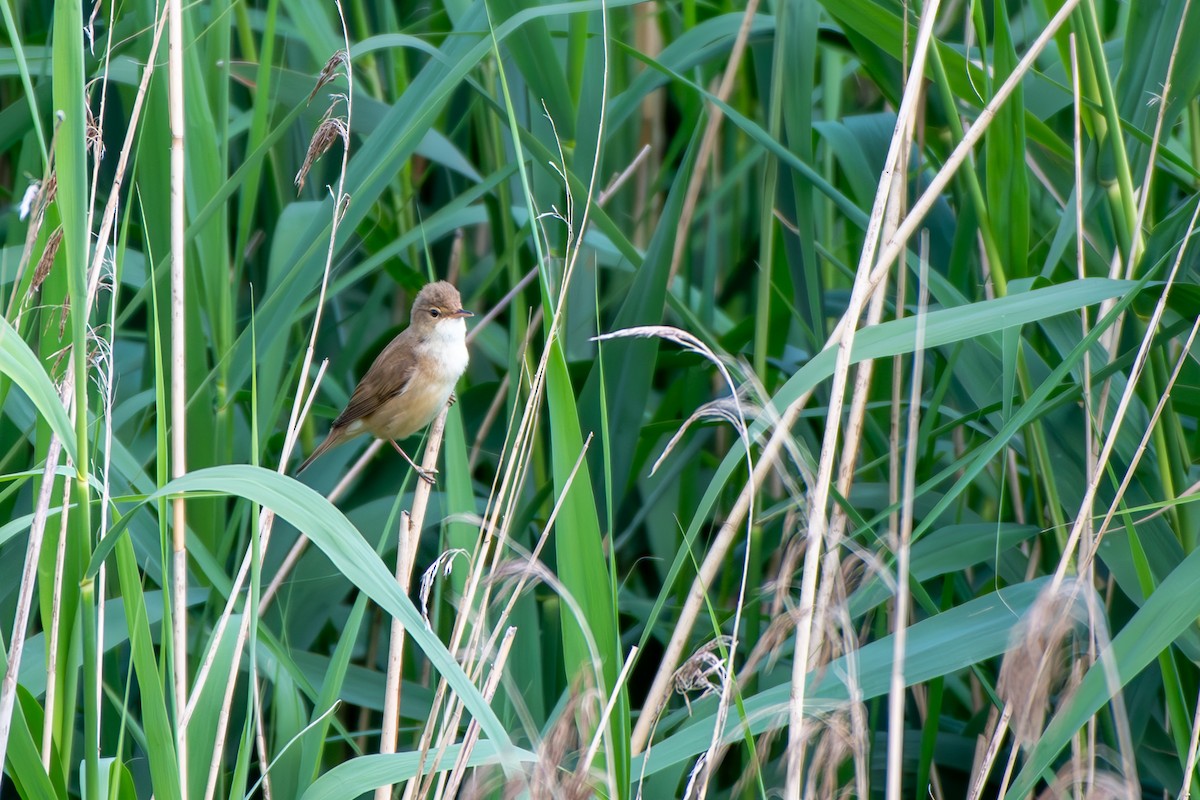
(388, 376)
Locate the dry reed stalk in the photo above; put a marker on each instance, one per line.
(708, 141)
(108, 218)
(713, 561)
(179, 645)
(37, 530)
(1189, 769)
(1098, 786)
(903, 545)
(1127, 478)
(292, 432)
(406, 556)
(985, 757)
(55, 632)
(512, 477)
(472, 736)
(1122, 407)
(866, 280)
(453, 712)
(260, 741)
(898, 530)
(647, 205)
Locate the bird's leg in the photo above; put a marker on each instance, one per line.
(453, 399)
(426, 474)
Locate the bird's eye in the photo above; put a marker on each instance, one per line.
(433, 312)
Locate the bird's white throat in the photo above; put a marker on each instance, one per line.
(449, 344)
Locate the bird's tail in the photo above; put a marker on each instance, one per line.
(334, 438)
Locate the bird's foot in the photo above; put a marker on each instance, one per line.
(453, 398)
(426, 474)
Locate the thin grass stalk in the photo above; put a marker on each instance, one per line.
(831, 561)
(551, 580)
(260, 740)
(37, 217)
(573, 249)
(37, 531)
(497, 513)
(109, 378)
(108, 218)
(69, 96)
(406, 556)
(454, 709)
(708, 141)
(903, 545)
(235, 590)
(292, 432)
(1113, 335)
(492, 525)
(52, 652)
(1125, 214)
(622, 679)
(896, 477)
(941, 179)
(502, 620)
(718, 550)
(178, 383)
(1090, 434)
(472, 735)
(730, 673)
(1127, 478)
(1189, 767)
(1155, 140)
(819, 495)
(1122, 407)
(14, 38)
(979, 782)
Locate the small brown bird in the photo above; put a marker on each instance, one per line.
(412, 379)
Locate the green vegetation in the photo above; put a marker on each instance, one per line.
(830, 427)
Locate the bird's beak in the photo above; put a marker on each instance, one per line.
(462, 312)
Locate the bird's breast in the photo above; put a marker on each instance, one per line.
(441, 360)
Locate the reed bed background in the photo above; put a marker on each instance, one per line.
(830, 427)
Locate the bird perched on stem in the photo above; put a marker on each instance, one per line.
(412, 379)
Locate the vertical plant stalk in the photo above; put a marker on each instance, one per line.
(108, 218)
(472, 736)
(656, 698)
(903, 545)
(1090, 437)
(299, 405)
(406, 556)
(806, 643)
(709, 140)
(718, 550)
(178, 383)
(478, 568)
(1110, 441)
(52, 640)
(37, 531)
